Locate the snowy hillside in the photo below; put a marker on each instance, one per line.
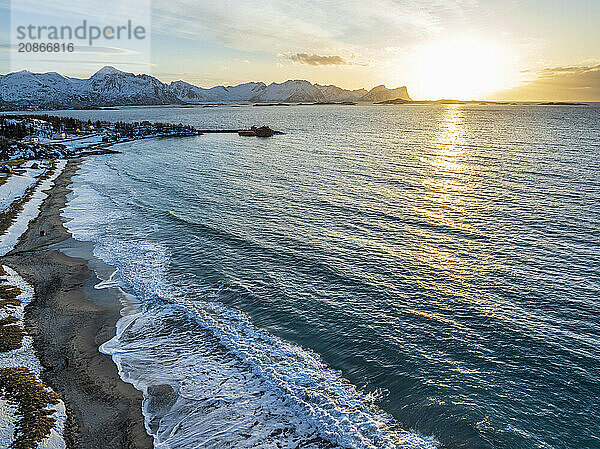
(26, 88)
(335, 93)
(382, 93)
(220, 94)
(115, 87)
(112, 87)
(107, 87)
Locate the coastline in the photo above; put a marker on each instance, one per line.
(103, 411)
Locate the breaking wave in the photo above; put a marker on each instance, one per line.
(209, 376)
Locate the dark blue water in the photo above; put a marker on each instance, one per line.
(442, 259)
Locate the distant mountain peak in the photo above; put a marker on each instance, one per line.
(109, 70)
(382, 93)
(110, 86)
(20, 73)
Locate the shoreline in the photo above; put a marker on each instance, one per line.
(102, 410)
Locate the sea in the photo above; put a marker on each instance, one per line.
(406, 276)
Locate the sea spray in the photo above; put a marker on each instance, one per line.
(220, 368)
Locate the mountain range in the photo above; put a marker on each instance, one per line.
(113, 87)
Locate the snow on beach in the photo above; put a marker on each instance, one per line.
(16, 185)
(25, 356)
(30, 210)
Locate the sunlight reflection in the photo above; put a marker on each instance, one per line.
(449, 245)
(449, 142)
(445, 205)
(445, 182)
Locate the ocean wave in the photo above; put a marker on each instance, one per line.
(209, 376)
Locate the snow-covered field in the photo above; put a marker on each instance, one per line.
(16, 184)
(76, 142)
(83, 142)
(25, 356)
(30, 210)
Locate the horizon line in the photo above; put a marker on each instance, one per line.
(487, 99)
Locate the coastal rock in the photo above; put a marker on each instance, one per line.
(262, 131)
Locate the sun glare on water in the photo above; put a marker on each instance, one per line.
(465, 69)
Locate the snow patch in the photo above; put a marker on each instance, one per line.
(15, 186)
(31, 209)
(25, 356)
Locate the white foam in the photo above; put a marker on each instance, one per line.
(25, 357)
(234, 384)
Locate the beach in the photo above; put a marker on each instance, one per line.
(347, 285)
(102, 410)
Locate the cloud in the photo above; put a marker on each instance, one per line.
(106, 50)
(565, 83)
(275, 26)
(67, 11)
(317, 60)
(552, 72)
(312, 59)
(312, 26)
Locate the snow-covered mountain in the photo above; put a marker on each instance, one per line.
(292, 91)
(339, 94)
(107, 87)
(382, 93)
(25, 88)
(116, 87)
(112, 87)
(189, 93)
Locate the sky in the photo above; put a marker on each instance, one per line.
(463, 49)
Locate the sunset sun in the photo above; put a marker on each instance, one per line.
(335, 224)
(465, 68)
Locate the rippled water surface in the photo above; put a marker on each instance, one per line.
(376, 277)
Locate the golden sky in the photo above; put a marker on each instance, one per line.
(463, 49)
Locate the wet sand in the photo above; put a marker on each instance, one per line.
(103, 411)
